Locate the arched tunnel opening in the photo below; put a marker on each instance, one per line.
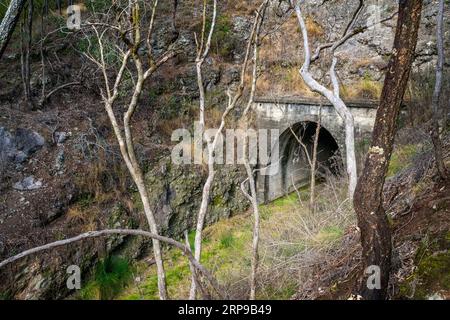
(295, 145)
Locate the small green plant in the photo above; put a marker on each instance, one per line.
(223, 43)
(191, 239)
(110, 277)
(433, 269)
(226, 240)
(5, 296)
(85, 201)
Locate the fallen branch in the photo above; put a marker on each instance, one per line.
(45, 98)
(94, 234)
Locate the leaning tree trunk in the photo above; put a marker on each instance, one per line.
(372, 220)
(9, 22)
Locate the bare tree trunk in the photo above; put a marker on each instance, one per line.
(232, 101)
(368, 202)
(314, 164)
(203, 48)
(332, 96)
(174, 15)
(110, 94)
(9, 22)
(435, 130)
(41, 51)
(250, 177)
(202, 52)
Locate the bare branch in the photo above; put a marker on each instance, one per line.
(94, 234)
(348, 35)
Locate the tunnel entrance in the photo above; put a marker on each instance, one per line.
(295, 145)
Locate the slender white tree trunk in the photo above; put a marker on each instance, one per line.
(232, 101)
(246, 154)
(312, 205)
(334, 98)
(203, 48)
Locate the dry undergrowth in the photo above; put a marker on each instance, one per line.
(293, 243)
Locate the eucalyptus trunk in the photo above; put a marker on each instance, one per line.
(368, 200)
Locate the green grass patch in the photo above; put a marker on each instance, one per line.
(287, 202)
(401, 158)
(432, 274)
(226, 240)
(110, 278)
(329, 234)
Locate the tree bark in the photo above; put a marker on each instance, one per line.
(202, 52)
(368, 203)
(9, 22)
(435, 131)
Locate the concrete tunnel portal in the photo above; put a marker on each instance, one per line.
(294, 167)
(302, 114)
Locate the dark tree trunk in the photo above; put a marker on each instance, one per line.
(9, 22)
(174, 15)
(372, 220)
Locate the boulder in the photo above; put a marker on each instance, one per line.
(17, 147)
(27, 184)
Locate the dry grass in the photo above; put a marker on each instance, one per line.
(293, 242)
(315, 30)
(213, 118)
(166, 127)
(102, 182)
(297, 240)
(363, 63)
(365, 88)
(103, 179)
(85, 217)
(283, 81)
(242, 7)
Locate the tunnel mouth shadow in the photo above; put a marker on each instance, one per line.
(295, 168)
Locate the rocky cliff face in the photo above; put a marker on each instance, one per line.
(361, 60)
(176, 195)
(72, 131)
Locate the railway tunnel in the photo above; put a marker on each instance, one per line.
(296, 119)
